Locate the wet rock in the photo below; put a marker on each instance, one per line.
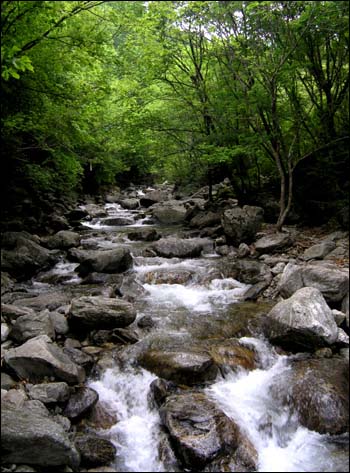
(319, 391)
(146, 322)
(183, 367)
(199, 431)
(244, 459)
(273, 243)
(7, 283)
(39, 357)
(117, 260)
(241, 224)
(153, 197)
(318, 251)
(168, 276)
(95, 211)
(181, 248)
(144, 234)
(302, 323)
(331, 280)
(130, 204)
(100, 313)
(30, 326)
(94, 451)
(101, 416)
(80, 358)
(117, 221)
(80, 403)
(34, 439)
(160, 389)
(49, 392)
(230, 354)
(129, 288)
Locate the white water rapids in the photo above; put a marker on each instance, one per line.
(245, 396)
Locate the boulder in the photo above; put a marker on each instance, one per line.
(206, 219)
(32, 438)
(7, 283)
(22, 257)
(95, 211)
(130, 204)
(89, 312)
(117, 221)
(168, 276)
(94, 451)
(80, 403)
(169, 212)
(63, 240)
(12, 312)
(30, 326)
(59, 322)
(302, 323)
(153, 197)
(198, 430)
(241, 224)
(48, 392)
(273, 243)
(318, 251)
(117, 260)
(39, 358)
(318, 389)
(144, 234)
(49, 300)
(331, 280)
(180, 248)
(229, 354)
(183, 367)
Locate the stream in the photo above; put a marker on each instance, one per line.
(201, 305)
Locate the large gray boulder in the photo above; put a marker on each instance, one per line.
(49, 392)
(180, 248)
(206, 219)
(181, 366)
(117, 221)
(318, 390)
(39, 358)
(241, 224)
(331, 280)
(198, 430)
(130, 204)
(31, 437)
(117, 260)
(22, 257)
(63, 240)
(318, 251)
(273, 243)
(171, 211)
(95, 451)
(153, 197)
(303, 322)
(32, 325)
(98, 312)
(80, 402)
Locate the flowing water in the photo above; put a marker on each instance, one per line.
(191, 311)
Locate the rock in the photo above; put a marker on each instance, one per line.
(7, 382)
(246, 270)
(49, 392)
(63, 240)
(30, 326)
(318, 251)
(319, 391)
(183, 367)
(130, 204)
(345, 304)
(5, 330)
(117, 221)
(101, 416)
(241, 224)
(15, 398)
(95, 211)
(146, 322)
(76, 214)
(32, 438)
(332, 281)
(302, 323)
(339, 316)
(130, 289)
(160, 389)
(22, 257)
(7, 283)
(168, 276)
(80, 358)
(39, 357)
(59, 322)
(94, 451)
(230, 354)
(343, 338)
(199, 431)
(181, 248)
(50, 300)
(117, 260)
(206, 219)
(243, 250)
(153, 197)
(144, 234)
(273, 243)
(80, 403)
(100, 312)
(169, 212)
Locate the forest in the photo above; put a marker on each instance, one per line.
(102, 93)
